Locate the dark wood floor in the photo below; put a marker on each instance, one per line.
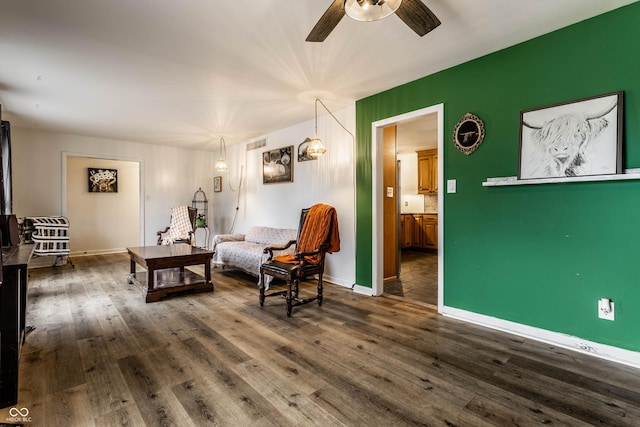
(100, 356)
(418, 281)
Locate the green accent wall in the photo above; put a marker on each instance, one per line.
(539, 255)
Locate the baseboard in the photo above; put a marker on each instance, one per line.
(603, 351)
(336, 281)
(98, 252)
(363, 290)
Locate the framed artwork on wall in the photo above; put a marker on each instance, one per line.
(576, 138)
(103, 180)
(277, 165)
(217, 184)
(468, 133)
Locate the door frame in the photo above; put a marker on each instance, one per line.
(141, 211)
(377, 232)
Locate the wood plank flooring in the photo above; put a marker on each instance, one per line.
(100, 356)
(418, 281)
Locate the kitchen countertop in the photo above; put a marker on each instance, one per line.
(419, 213)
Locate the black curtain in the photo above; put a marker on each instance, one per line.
(6, 192)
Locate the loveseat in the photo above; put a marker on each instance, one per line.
(246, 251)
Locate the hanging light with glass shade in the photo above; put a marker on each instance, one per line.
(221, 164)
(316, 147)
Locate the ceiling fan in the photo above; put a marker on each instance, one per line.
(414, 13)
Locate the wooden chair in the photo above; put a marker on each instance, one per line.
(300, 265)
(192, 219)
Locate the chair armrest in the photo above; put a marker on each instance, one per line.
(301, 256)
(160, 233)
(269, 249)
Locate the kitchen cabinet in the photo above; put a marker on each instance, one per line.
(406, 231)
(428, 171)
(416, 236)
(419, 231)
(429, 232)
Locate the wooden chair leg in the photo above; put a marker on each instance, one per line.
(261, 289)
(289, 298)
(320, 289)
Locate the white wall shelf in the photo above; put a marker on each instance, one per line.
(628, 174)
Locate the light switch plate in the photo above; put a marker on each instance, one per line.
(451, 186)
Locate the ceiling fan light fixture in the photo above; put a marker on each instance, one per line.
(370, 10)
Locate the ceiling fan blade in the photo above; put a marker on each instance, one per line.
(327, 22)
(417, 16)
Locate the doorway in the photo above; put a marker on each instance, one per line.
(432, 260)
(415, 154)
(102, 221)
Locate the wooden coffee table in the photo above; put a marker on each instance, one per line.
(166, 273)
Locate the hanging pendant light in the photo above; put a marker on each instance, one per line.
(221, 164)
(315, 146)
(370, 10)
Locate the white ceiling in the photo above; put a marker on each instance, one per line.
(184, 72)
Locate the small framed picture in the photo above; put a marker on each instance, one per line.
(576, 138)
(468, 133)
(103, 180)
(217, 184)
(302, 151)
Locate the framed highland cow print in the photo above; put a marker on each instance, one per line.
(577, 138)
(103, 180)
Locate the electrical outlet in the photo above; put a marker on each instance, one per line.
(606, 309)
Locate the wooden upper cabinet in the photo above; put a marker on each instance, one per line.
(428, 171)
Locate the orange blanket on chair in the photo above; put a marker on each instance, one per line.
(321, 225)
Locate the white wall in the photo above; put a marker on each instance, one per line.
(169, 176)
(329, 180)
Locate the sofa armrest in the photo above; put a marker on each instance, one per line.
(221, 238)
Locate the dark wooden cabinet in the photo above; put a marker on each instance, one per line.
(419, 231)
(429, 232)
(406, 230)
(13, 304)
(416, 236)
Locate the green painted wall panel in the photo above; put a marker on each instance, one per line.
(539, 255)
